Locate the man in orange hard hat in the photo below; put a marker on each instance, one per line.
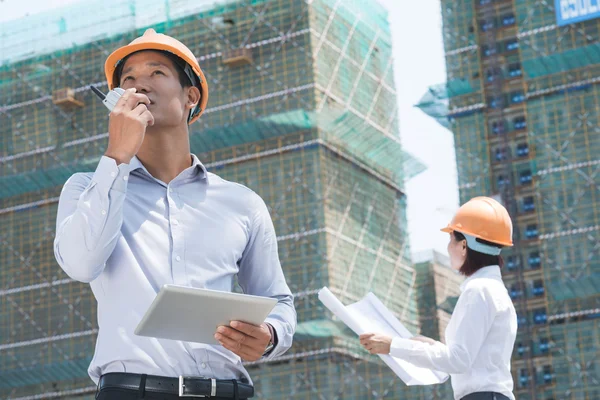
(151, 214)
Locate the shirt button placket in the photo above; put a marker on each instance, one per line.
(177, 256)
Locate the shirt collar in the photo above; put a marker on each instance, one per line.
(489, 272)
(135, 163)
(198, 167)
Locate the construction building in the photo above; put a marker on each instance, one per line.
(302, 109)
(523, 101)
(438, 289)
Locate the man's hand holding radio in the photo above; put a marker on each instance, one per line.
(127, 126)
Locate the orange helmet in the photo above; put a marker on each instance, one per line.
(483, 218)
(157, 41)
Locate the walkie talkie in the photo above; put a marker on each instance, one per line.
(109, 100)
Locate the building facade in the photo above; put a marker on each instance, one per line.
(522, 99)
(302, 110)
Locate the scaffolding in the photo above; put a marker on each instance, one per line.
(528, 133)
(302, 110)
(438, 289)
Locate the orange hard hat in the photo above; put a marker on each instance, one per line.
(483, 218)
(157, 41)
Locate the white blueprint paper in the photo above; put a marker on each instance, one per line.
(370, 315)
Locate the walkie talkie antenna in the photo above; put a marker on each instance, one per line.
(98, 93)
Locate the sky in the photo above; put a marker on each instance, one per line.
(418, 64)
(432, 196)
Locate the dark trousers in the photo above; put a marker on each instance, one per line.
(485, 396)
(126, 394)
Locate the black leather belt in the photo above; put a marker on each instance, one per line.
(182, 386)
(485, 396)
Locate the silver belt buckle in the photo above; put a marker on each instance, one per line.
(213, 387)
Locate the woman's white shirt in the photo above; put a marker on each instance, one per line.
(479, 339)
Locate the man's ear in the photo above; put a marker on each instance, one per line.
(193, 94)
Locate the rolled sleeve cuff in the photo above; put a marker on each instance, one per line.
(402, 348)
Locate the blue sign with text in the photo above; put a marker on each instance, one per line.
(571, 11)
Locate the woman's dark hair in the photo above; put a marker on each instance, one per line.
(476, 260)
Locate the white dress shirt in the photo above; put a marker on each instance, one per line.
(128, 234)
(479, 339)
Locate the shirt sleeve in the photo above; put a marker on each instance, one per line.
(89, 219)
(261, 274)
(471, 319)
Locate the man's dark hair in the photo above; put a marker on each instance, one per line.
(476, 260)
(177, 62)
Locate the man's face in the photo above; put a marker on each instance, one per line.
(155, 75)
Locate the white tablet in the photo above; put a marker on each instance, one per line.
(193, 315)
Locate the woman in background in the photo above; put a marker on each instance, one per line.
(481, 333)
